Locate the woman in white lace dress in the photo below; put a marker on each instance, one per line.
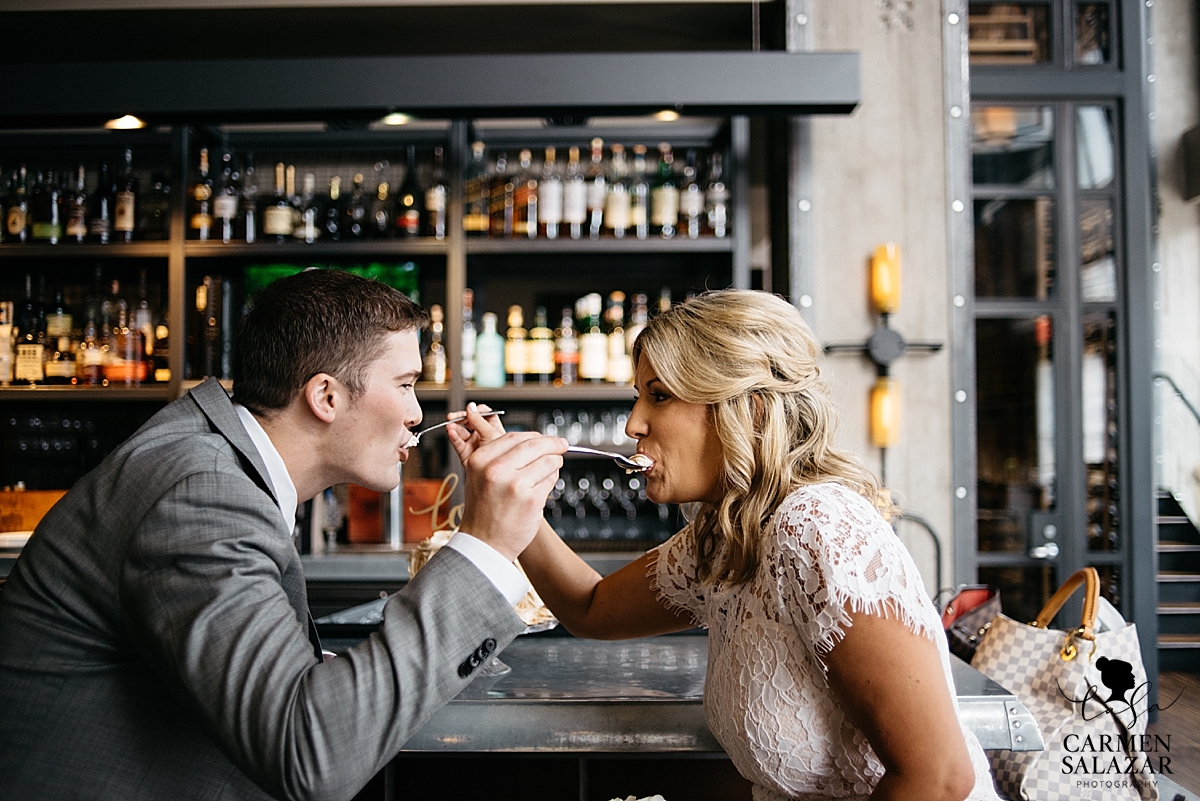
(828, 670)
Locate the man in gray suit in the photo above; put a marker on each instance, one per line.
(155, 641)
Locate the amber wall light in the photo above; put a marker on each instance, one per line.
(885, 413)
(885, 278)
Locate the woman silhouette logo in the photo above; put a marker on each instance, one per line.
(1117, 676)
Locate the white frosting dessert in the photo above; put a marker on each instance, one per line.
(642, 461)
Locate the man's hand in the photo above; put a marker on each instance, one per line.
(508, 479)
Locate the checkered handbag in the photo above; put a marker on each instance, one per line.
(1087, 692)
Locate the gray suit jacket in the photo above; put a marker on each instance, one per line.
(154, 636)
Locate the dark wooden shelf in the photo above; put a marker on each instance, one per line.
(586, 392)
(397, 248)
(150, 392)
(629, 244)
(86, 250)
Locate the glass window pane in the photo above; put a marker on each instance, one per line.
(1100, 432)
(1091, 33)
(1009, 33)
(1098, 278)
(1023, 590)
(1014, 248)
(1017, 472)
(1013, 146)
(1094, 147)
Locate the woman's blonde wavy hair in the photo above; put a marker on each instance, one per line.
(750, 357)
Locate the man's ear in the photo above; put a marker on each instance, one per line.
(324, 395)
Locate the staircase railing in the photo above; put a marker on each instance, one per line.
(1177, 431)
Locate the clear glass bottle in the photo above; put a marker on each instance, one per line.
(45, 211)
(475, 193)
(525, 198)
(716, 198)
(6, 342)
(435, 197)
(469, 335)
(550, 196)
(500, 199)
(574, 195)
(489, 354)
(618, 211)
(333, 210)
(566, 350)
(410, 199)
(277, 218)
(516, 355)
(540, 353)
(620, 368)
(90, 356)
(691, 199)
(16, 217)
(29, 363)
(201, 220)
(227, 196)
(597, 188)
(639, 315)
(433, 365)
(639, 194)
(664, 197)
(308, 226)
(593, 343)
(124, 221)
(142, 319)
(100, 214)
(75, 203)
(249, 204)
(354, 218)
(381, 212)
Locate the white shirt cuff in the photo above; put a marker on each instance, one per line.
(510, 581)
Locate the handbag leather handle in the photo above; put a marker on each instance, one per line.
(1091, 579)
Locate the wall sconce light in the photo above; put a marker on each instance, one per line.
(885, 346)
(126, 123)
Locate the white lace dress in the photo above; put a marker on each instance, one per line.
(766, 698)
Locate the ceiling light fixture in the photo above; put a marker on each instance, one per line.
(666, 115)
(396, 118)
(126, 123)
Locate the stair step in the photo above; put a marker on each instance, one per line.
(1177, 576)
(1179, 641)
(1179, 608)
(1175, 546)
(1171, 520)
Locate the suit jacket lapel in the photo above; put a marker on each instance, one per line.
(216, 405)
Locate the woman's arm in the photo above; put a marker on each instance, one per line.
(890, 684)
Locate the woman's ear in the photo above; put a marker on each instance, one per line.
(324, 396)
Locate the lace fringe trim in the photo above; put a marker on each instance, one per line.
(889, 608)
(660, 594)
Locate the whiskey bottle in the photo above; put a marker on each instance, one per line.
(716, 198)
(249, 202)
(489, 354)
(433, 365)
(597, 189)
(227, 196)
(566, 351)
(515, 351)
(333, 210)
(154, 209)
(618, 203)
(6, 341)
(540, 352)
(664, 197)
(381, 212)
(639, 194)
(16, 217)
(90, 356)
(691, 199)
(75, 206)
(435, 197)
(469, 335)
(475, 193)
(500, 199)
(308, 226)
(354, 219)
(525, 198)
(593, 344)
(620, 368)
(44, 210)
(126, 362)
(29, 364)
(574, 195)
(142, 319)
(125, 211)
(550, 198)
(410, 200)
(277, 218)
(100, 215)
(201, 220)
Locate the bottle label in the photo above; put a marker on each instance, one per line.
(435, 199)
(16, 220)
(77, 223)
(123, 215)
(593, 356)
(202, 222)
(92, 357)
(410, 221)
(47, 231)
(540, 357)
(691, 202)
(597, 193)
(515, 356)
(58, 325)
(617, 211)
(664, 206)
(575, 202)
(225, 207)
(550, 202)
(277, 221)
(60, 368)
(29, 365)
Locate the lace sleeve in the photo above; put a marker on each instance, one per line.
(673, 575)
(838, 555)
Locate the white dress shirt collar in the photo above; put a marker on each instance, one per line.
(285, 490)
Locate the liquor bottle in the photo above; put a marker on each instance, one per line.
(410, 200)
(227, 196)
(29, 364)
(639, 315)
(489, 354)
(540, 353)
(639, 194)
(550, 197)
(716, 198)
(5, 189)
(277, 218)
(201, 193)
(593, 344)
(75, 205)
(308, 225)
(354, 217)
(574, 195)
(6, 342)
(515, 351)
(691, 199)
(161, 354)
(664, 197)
(101, 213)
(381, 212)
(125, 206)
(249, 215)
(620, 368)
(142, 319)
(597, 189)
(293, 196)
(59, 368)
(475, 193)
(90, 356)
(16, 218)
(433, 365)
(45, 218)
(435, 197)
(500, 199)
(618, 203)
(468, 336)
(333, 210)
(154, 209)
(126, 362)
(525, 198)
(59, 321)
(566, 351)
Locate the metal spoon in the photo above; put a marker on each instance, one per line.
(457, 419)
(630, 465)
